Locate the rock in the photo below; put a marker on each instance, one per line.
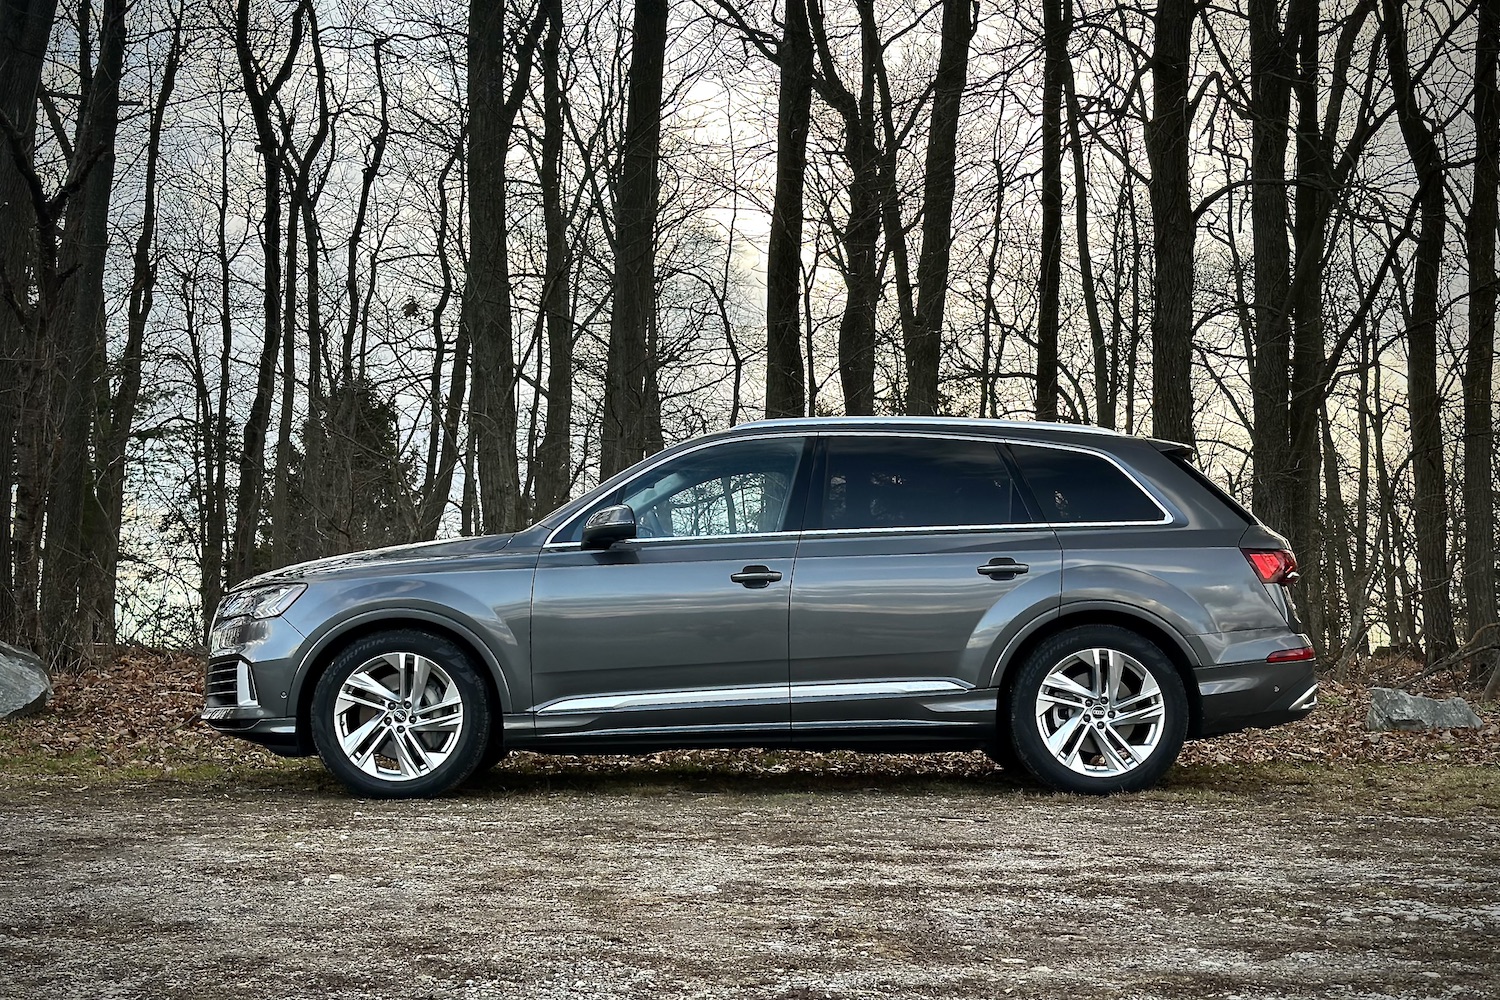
(24, 685)
(1393, 709)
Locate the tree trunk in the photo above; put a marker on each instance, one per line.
(1430, 500)
(628, 391)
(1055, 45)
(260, 94)
(117, 419)
(924, 349)
(555, 454)
(1272, 67)
(25, 28)
(1173, 224)
(1479, 402)
(785, 388)
(442, 448)
(861, 235)
(1105, 387)
(487, 293)
(79, 328)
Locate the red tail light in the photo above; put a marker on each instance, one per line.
(1273, 565)
(1291, 655)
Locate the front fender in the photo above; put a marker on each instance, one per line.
(494, 625)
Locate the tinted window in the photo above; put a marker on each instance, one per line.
(1073, 486)
(736, 488)
(1212, 487)
(908, 483)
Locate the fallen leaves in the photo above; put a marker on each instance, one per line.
(141, 712)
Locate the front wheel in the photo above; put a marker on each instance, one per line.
(1098, 709)
(401, 714)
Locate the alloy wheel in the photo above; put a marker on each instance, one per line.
(398, 716)
(1100, 712)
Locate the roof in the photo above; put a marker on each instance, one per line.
(1037, 428)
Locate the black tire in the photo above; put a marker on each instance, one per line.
(1156, 742)
(1005, 757)
(452, 749)
(495, 752)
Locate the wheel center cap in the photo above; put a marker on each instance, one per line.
(400, 715)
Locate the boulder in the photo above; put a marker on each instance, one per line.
(1393, 709)
(24, 684)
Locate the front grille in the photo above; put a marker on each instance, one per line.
(221, 685)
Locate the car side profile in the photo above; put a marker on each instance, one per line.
(1073, 601)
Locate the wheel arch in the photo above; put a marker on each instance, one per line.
(1159, 632)
(317, 660)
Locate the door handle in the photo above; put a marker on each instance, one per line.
(1003, 568)
(755, 577)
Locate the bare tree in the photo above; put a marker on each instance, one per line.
(78, 326)
(554, 456)
(924, 347)
(487, 303)
(260, 92)
(1479, 415)
(630, 391)
(786, 394)
(1430, 503)
(118, 417)
(24, 30)
(1173, 221)
(1055, 60)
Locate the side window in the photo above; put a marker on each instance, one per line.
(735, 488)
(872, 482)
(1077, 487)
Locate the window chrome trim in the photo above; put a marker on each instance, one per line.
(795, 428)
(1166, 518)
(929, 529)
(666, 539)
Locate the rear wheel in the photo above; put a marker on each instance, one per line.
(401, 714)
(1098, 709)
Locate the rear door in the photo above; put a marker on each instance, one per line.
(919, 554)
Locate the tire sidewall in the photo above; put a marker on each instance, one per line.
(473, 740)
(1027, 742)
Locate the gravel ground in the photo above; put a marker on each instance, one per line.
(669, 887)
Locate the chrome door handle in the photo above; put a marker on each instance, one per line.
(755, 577)
(1003, 568)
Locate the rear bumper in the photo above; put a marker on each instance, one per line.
(1254, 695)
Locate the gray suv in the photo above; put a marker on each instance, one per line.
(1073, 601)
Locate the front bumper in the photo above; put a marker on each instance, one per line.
(248, 683)
(1254, 695)
(277, 735)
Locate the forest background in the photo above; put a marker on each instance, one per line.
(290, 278)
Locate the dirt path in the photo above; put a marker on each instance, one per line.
(659, 889)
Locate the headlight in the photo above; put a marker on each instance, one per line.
(260, 602)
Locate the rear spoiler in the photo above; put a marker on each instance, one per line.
(1175, 449)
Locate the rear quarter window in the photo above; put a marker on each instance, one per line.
(1212, 488)
(1076, 487)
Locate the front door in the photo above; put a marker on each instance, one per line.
(917, 555)
(680, 636)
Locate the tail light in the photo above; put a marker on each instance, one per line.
(1273, 565)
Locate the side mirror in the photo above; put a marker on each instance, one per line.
(608, 526)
